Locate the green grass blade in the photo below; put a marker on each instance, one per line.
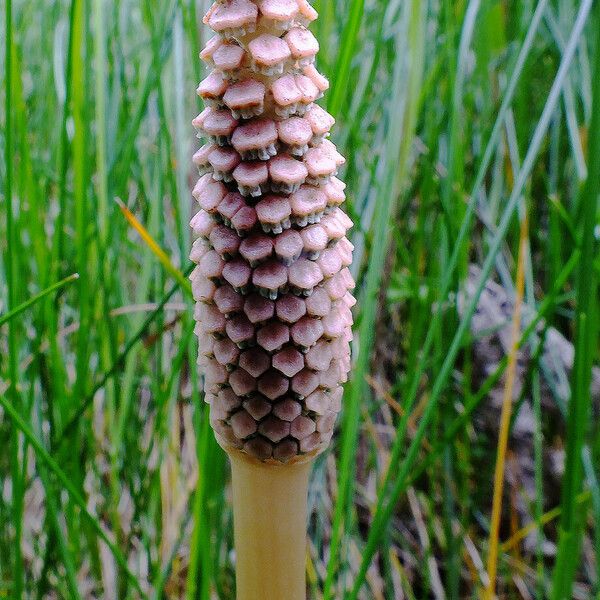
(52, 507)
(448, 275)
(25, 305)
(347, 49)
(66, 482)
(402, 117)
(463, 420)
(569, 544)
(11, 235)
(117, 365)
(80, 184)
(100, 64)
(385, 511)
(465, 226)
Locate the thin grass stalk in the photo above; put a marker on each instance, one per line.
(52, 508)
(43, 455)
(461, 421)
(569, 103)
(120, 164)
(569, 545)
(57, 405)
(181, 140)
(33, 213)
(464, 230)
(547, 517)
(176, 179)
(538, 457)
(591, 476)
(464, 418)
(105, 272)
(100, 64)
(165, 429)
(11, 238)
(537, 348)
(402, 127)
(453, 206)
(63, 154)
(348, 46)
(198, 577)
(388, 502)
(505, 417)
(454, 178)
(116, 366)
(79, 81)
(11, 314)
(190, 22)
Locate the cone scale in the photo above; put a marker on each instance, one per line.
(271, 285)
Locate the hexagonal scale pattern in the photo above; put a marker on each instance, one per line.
(272, 285)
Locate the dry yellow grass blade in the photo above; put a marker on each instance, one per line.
(546, 518)
(395, 405)
(155, 248)
(492, 563)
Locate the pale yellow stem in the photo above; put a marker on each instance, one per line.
(269, 512)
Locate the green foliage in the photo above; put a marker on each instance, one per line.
(456, 118)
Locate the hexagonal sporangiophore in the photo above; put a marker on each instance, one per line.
(272, 285)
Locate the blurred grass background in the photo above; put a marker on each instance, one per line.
(472, 132)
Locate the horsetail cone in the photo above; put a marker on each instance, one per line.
(272, 285)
